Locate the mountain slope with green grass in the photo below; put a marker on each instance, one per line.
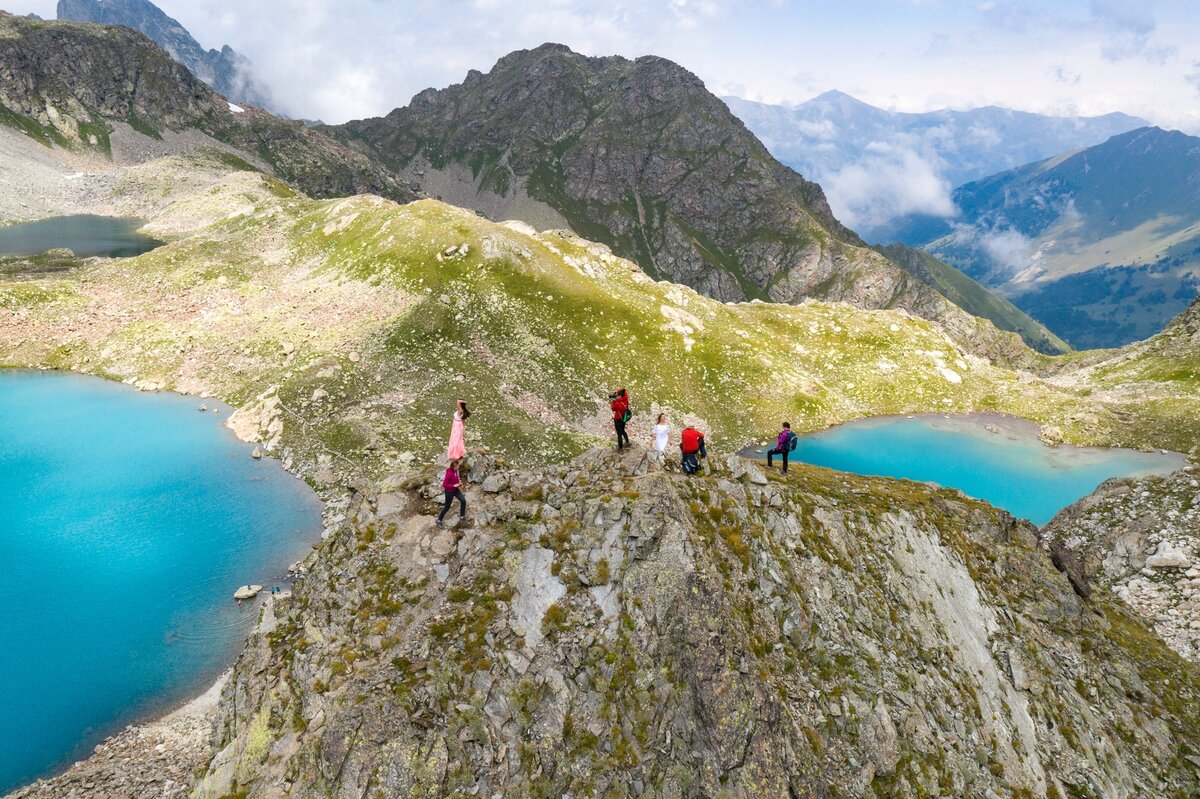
(1101, 245)
(346, 328)
(640, 156)
(974, 298)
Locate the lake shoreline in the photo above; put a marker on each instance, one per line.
(999, 419)
(169, 739)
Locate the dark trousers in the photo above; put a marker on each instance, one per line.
(691, 463)
(450, 497)
(622, 436)
(778, 451)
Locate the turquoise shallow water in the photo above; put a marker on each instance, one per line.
(84, 234)
(1011, 469)
(127, 520)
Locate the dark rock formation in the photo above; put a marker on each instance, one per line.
(641, 156)
(69, 83)
(225, 70)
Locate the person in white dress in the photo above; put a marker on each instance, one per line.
(662, 434)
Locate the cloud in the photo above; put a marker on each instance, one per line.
(1131, 28)
(885, 182)
(1008, 249)
(1193, 77)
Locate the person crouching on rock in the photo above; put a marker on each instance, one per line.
(452, 485)
(691, 444)
(621, 415)
(785, 442)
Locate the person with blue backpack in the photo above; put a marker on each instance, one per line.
(785, 443)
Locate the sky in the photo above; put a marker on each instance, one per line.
(342, 59)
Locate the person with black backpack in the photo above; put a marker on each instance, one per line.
(619, 402)
(785, 443)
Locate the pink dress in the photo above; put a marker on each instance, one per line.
(456, 449)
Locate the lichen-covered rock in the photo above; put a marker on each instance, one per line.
(1140, 538)
(647, 633)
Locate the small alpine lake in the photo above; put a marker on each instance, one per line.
(86, 235)
(993, 458)
(127, 520)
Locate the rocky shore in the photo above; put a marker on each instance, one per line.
(152, 760)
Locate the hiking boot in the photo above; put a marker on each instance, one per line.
(463, 521)
(441, 525)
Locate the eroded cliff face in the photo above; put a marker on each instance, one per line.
(613, 628)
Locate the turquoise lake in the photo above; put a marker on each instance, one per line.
(1009, 468)
(127, 520)
(84, 234)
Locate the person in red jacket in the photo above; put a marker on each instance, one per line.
(621, 414)
(691, 443)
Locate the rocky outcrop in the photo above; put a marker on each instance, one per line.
(227, 71)
(75, 84)
(611, 627)
(1141, 539)
(641, 156)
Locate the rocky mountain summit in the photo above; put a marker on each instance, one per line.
(227, 71)
(80, 85)
(612, 627)
(640, 156)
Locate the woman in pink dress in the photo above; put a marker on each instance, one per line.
(457, 448)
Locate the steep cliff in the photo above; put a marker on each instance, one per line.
(227, 71)
(614, 628)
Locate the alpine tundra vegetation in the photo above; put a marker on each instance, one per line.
(603, 625)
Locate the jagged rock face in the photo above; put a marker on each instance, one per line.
(1141, 539)
(71, 83)
(639, 155)
(225, 70)
(611, 628)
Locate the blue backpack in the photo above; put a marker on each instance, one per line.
(792, 439)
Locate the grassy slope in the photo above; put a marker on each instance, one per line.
(346, 335)
(974, 298)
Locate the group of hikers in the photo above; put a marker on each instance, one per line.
(691, 440)
(691, 447)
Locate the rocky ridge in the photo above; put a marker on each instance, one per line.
(227, 71)
(1141, 539)
(640, 156)
(612, 627)
(74, 84)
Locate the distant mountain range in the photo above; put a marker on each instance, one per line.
(635, 154)
(225, 70)
(876, 164)
(1102, 244)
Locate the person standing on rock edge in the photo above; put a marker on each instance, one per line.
(691, 444)
(452, 485)
(785, 442)
(457, 448)
(621, 414)
(662, 434)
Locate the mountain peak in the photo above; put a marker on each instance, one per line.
(225, 69)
